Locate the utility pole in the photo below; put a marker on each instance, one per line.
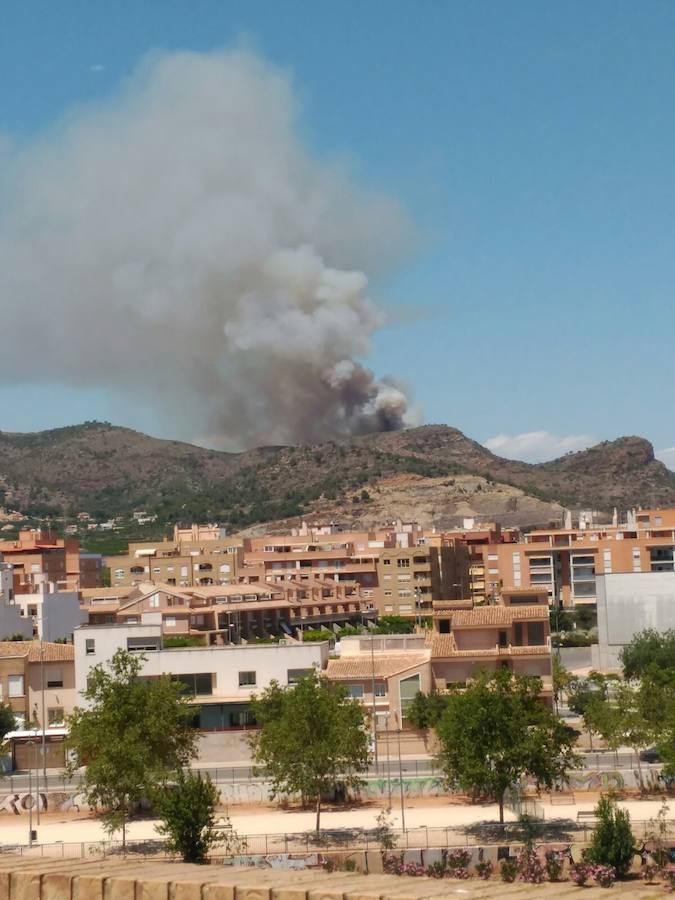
(374, 713)
(400, 770)
(44, 720)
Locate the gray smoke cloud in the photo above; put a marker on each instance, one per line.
(178, 245)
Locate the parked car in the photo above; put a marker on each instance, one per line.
(650, 755)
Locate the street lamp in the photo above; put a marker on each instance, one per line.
(400, 769)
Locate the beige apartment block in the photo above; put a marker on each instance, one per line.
(39, 556)
(33, 673)
(226, 614)
(565, 561)
(182, 563)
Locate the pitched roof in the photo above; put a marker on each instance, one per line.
(445, 645)
(497, 615)
(362, 666)
(31, 650)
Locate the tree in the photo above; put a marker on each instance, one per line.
(426, 710)
(133, 734)
(621, 721)
(312, 738)
(395, 625)
(7, 720)
(497, 731)
(187, 810)
(648, 648)
(612, 841)
(563, 680)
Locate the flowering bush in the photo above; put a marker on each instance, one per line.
(668, 873)
(436, 870)
(530, 867)
(580, 873)
(484, 869)
(554, 864)
(457, 862)
(650, 872)
(605, 876)
(509, 869)
(394, 865)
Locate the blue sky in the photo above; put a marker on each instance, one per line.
(531, 145)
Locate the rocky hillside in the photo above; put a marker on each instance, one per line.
(433, 473)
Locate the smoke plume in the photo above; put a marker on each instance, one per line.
(179, 246)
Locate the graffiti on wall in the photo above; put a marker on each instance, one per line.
(17, 803)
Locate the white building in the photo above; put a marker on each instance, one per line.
(627, 604)
(219, 680)
(11, 621)
(50, 614)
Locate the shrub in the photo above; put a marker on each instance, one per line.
(650, 872)
(457, 863)
(509, 870)
(484, 869)
(436, 869)
(530, 867)
(554, 865)
(580, 873)
(605, 876)
(612, 840)
(669, 875)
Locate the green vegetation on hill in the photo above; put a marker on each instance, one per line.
(109, 471)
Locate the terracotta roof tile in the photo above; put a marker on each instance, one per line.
(31, 649)
(497, 615)
(361, 666)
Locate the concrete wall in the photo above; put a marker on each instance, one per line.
(627, 604)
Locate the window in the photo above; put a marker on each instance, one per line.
(183, 571)
(154, 601)
(535, 634)
(195, 683)
(54, 678)
(55, 715)
(89, 647)
(389, 609)
(405, 608)
(409, 688)
(295, 674)
(141, 644)
(386, 562)
(16, 685)
(403, 563)
(170, 621)
(380, 689)
(119, 573)
(247, 679)
(355, 691)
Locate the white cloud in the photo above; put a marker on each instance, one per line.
(667, 457)
(96, 67)
(538, 446)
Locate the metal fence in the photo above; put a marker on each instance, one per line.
(423, 838)
(600, 761)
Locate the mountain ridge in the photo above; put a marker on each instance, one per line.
(111, 470)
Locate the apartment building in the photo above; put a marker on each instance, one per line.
(52, 615)
(409, 579)
(202, 557)
(41, 556)
(476, 537)
(514, 635)
(218, 680)
(566, 561)
(29, 667)
(197, 556)
(225, 614)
